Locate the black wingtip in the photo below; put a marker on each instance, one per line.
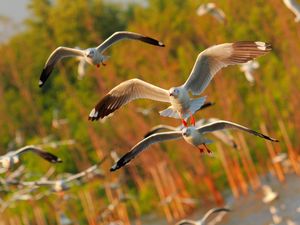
(114, 168)
(44, 75)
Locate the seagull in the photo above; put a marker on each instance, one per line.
(294, 6)
(56, 121)
(248, 69)
(192, 135)
(205, 217)
(211, 8)
(11, 158)
(223, 135)
(208, 63)
(93, 56)
(62, 184)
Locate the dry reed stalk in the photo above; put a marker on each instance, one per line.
(277, 167)
(250, 168)
(229, 172)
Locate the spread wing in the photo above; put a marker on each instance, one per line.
(213, 211)
(45, 155)
(293, 5)
(56, 56)
(89, 170)
(219, 15)
(121, 35)
(159, 128)
(222, 124)
(211, 60)
(126, 92)
(142, 145)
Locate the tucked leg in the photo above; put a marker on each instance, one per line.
(207, 149)
(201, 150)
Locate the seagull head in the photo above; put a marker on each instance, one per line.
(91, 52)
(187, 131)
(174, 92)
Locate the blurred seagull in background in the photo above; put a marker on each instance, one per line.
(205, 217)
(208, 63)
(93, 56)
(294, 6)
(13, 157)
(62, 184)
(248, 69)
(192, 135)
(56, 121)
(212, 9)
(222, 135)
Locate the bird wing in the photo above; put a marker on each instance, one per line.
(121, 35)
(57, 55)
(219, 15)
(213, 211)
(159, 128)
(211, 60)
(293, 6)
(222, 124)
(187, 222)
(142, 145)
(126, 92)
(87, 171)
(43, 154)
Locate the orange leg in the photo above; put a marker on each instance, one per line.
(192, 120)
(183, 121)
(103, 64)
(98, 65)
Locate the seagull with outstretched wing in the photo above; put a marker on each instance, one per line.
(222, 135)
(205, 217)
(192, 135)
(93, 56)
(63, 184)
(211, 8)
(208, 63)
(13, 157)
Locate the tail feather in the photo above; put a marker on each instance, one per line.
(195, 105)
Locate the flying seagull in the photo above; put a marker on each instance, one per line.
(205, 217)
(212, 9)
(13, 157)
(222, 135)
(208, 63)
(93, 56)
(248, 69)
(62, 184)
(294, 6)
(192, 135)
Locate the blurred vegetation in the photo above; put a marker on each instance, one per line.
(28, 109)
